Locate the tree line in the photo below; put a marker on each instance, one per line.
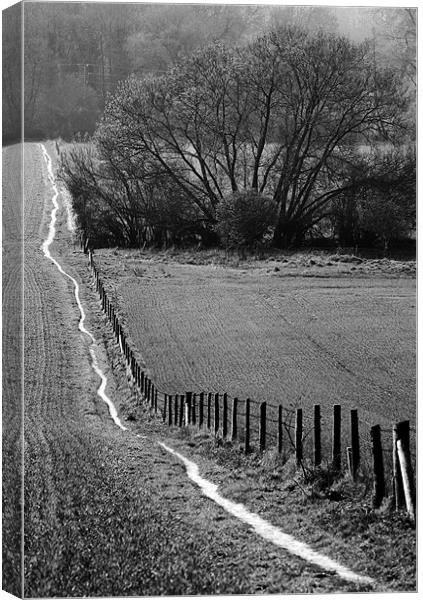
(292, 135)
(76, 53)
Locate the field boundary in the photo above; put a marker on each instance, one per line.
(289, 432)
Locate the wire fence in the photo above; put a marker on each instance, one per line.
(343, 442)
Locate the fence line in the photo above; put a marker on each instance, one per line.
(232, 419)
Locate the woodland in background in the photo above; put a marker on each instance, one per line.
(208, 120)
(76, 53)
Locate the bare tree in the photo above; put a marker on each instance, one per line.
(275, 117)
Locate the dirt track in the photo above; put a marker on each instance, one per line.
(107, 513)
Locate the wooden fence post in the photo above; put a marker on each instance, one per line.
(188, 397)
(181, 410)
(170, 411)
(225, 416)
(349, 460)
(216, 413)
(336, 437)
(234, 427)
(155, 401)
(262, 427)
(194, 409)
(317, 436)
(280, 428)
(378, 471)
(400, 431)
(299, 435)
(247, 426)
(407, 478)
(176, 414)
(201, 410)
(209, 402)
(165, 408)
(355, 444)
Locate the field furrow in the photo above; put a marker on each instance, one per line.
(279, 340)
(11, 363)
(285, 340)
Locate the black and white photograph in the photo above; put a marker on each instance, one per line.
(209, 299)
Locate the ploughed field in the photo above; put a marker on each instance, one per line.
(281, 335)
(106, 512)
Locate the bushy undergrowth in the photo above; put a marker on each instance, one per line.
(245, 218)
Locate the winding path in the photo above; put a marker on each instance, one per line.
(107, 512)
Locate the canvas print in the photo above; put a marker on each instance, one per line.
(209, 299)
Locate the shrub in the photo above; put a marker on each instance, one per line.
(245, 218)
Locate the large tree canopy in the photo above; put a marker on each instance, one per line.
(275, 116)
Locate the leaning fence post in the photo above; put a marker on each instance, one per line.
(378, 471)
(225, 415)
(216, 413)
(280, 430)
(317, 436)
(299, 435)
(234, 428)
(247, 426)
(400, 431)
(336, 437)
(355, 443)
(407, 478)
(262, 427)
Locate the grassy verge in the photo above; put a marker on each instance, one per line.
(326, 510)
(310, 262)
(330, 513)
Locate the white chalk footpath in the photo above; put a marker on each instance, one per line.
(260, 526)
(46, 249)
